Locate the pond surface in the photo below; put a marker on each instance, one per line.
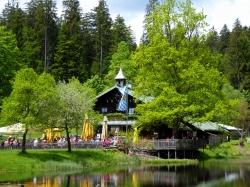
(205, 174)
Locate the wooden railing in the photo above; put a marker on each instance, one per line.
(78, 145)
(178, 144)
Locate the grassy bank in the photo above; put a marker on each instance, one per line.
(169, 162)
(16, 166)
(227, 150)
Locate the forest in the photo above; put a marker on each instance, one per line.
(189, 72)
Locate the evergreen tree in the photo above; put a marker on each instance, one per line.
(224, 39)
(102, 32)
(10, 61)
(68, 58)
(149, 8)
(212, 40)
(88, 43)
(237, 59)
(120, 32)
(13, 19)
(40, 34)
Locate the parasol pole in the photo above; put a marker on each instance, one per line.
(127, 110)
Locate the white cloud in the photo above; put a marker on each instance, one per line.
(137, 26)
(226, 12)
(88, 5)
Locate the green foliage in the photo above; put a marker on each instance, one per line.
(121, 59)
(9, 61)
(237, 57)
(96, 83)
(30, 101)
(149, 9)
(178, 71)
(102, 35)
(54, 162)
(224, 39)
(68, 57)
(13, 19)
(20, 105)
(75, 100)
(120, 32)
(40, 34)
(226, 150)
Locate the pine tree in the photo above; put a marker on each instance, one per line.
(88, 44)
(238, 57)
(103, 44)
(212, 40)
(120, 32)
(149, 9)
(68, 58)
(224, 39)
(13, 18)
(40, 34)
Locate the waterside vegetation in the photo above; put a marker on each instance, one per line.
(52, 162)
(227, 150)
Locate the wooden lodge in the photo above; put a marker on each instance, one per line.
(162, 139)
(108, 101)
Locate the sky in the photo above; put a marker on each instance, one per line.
(219, 12)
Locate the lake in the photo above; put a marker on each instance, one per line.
(205, 174)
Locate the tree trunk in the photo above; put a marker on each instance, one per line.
(68, 181)
(68, 138)
(24, 141)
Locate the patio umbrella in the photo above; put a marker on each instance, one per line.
(57, 132)
(135, 137)
(13, 129)
(49, 135)
(87, 130)
(104, 128)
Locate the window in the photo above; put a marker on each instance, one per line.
(131, 111)
(104, 109)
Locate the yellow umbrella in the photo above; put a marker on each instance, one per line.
(56, 133)
(104, 128)
(49, 134)
(87, 130)
(135, 179)
(135, 137)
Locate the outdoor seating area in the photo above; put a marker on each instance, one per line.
(60, 143)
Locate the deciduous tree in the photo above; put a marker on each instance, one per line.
(10, 61)
(30, 97)
(177, 74)
(75, 100)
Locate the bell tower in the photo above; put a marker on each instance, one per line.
(120, 79)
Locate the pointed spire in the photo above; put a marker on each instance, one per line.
(120, 79)
(120, 75)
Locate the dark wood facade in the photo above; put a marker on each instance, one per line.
(108, 101)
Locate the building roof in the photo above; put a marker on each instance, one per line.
(120, 89)
(229, 128)
(209, 126)
(120, 75)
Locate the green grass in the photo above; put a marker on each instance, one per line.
(170, 162)
(227, 150)
(16, 166)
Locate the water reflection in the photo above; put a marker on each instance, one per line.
(200, 175)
